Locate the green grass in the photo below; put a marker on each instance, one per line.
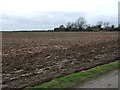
(73, 79)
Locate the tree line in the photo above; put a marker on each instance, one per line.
(80, 24)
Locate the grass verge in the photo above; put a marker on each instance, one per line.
(73, 79)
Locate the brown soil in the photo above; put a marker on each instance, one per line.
(30, 59)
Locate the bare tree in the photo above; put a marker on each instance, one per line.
(106, 24)
(68, 25)
(71, 26)
(99, 24)
(80, 23)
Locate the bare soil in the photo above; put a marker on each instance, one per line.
(32, 58)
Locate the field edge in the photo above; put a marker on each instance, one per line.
(71, 80)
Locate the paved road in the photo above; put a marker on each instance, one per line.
(107, 80)
(0, 81)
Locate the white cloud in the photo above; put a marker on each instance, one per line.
(27, 6)
(62, 11)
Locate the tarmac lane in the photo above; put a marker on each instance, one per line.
(0, 81)
(106, 80)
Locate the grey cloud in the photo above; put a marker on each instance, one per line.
(47, 20)
(119, 12)
(94, 18)
(38, 20)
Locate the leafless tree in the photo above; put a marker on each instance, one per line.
(106, 24)
(99, 24)
(80, 23)
(68, 25)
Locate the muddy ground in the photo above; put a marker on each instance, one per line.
(30, 59)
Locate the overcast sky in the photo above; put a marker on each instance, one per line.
(48, 14)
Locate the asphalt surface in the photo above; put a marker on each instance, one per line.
(106, 80)
(0, 81)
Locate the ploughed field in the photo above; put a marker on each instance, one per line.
(32, 58)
